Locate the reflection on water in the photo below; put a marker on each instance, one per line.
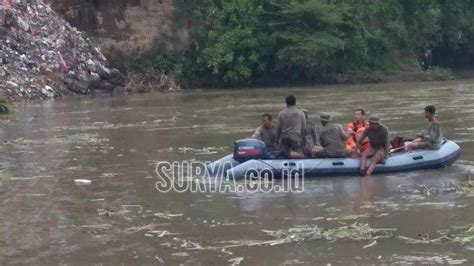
(121, 218)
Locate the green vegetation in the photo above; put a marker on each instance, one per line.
(255, 42)
(3, 107)
(4, 177)
(437, 74)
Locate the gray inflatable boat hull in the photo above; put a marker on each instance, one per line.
(417, 160)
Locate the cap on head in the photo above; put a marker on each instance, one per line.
(374, 119)
(325, 117)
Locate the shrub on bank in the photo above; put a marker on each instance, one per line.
(268, 42)
(3, 107)
(437, 74)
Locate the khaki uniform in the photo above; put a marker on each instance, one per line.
(434, 139)
(292, 128)
(268, 136)
(333, 139)
(378, 139)
(311, 135)
(311, 138)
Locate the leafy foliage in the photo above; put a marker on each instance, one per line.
(247, 42)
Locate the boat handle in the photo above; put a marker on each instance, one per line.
(418, 158)
(286, 164)
(338, 163)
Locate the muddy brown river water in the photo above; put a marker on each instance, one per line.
(120, 218)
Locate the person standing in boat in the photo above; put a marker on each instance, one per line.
(354, 131)
(332, 138)
(311, 137)
(379, 145)
(434, 138)
(291, 129)
(267, 133)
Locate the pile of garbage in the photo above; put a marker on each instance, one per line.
(43, 56)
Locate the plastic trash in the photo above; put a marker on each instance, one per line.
(82, 181)
(48, 91)
(39, 47)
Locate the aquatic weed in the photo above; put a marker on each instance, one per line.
(356, 231)
(4, 177)
(455, 234)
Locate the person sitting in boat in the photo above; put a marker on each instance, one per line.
(354, 131)
(332, 138)
(291, 129)
(434, 138)
(311, 137)
(379, 145)
(267, 133)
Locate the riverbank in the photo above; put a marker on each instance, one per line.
(42, 57)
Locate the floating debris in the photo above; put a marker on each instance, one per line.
(161, 234)
(148, 227)
(345, 218)
(160, 260)
(455, 234)
(370, 245)
(421, 191)
(166, 215)
(356, 231)
(109, 174)
(236, 261)
(438, 259)
(82, 181)
(78, 139)
(180, 254)
(96, 226)
(201, 151)
(4, 177)
(466, 188)
(30, 178)
(94, 200)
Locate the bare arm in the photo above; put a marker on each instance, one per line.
(257, 134)
(361, 139)
(350, 130)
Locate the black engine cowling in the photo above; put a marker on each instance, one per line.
(249, 149)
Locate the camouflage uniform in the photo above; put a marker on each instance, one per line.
(311, 138)
(434, 139)
(333, 139)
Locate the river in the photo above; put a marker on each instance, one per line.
(121, 218)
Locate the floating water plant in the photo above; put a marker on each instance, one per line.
(4, 177)
(455, 234)
(356, 231)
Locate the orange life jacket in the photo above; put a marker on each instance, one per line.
(359, 130)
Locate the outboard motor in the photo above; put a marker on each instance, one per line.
(249, 149)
